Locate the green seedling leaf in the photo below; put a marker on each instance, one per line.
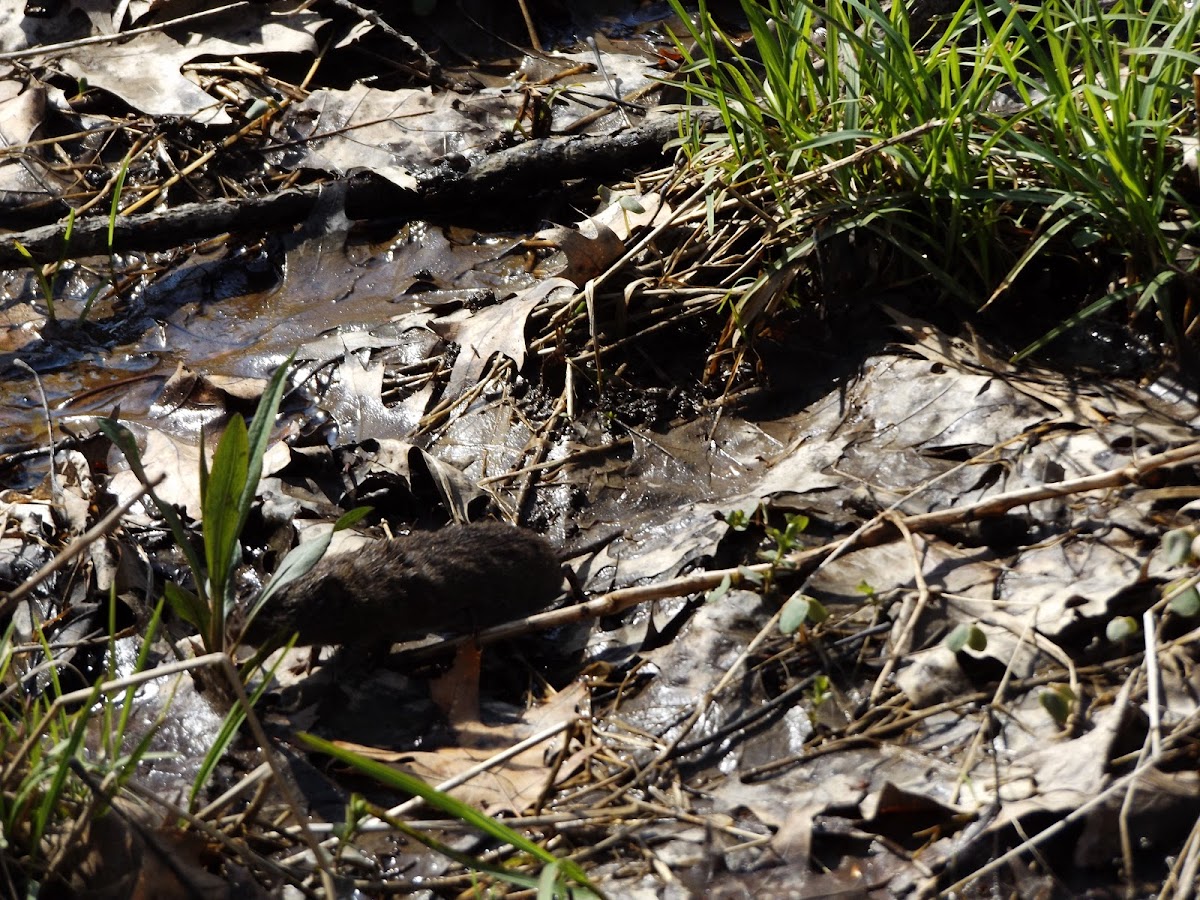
(822, 690)
(1058, 702)
(719, 591)
(115, 207)
(750, 576)
(957, 639)
(1121, 628)
(798, 609)
(797, 524)
(352, 518)
(785, 540)
(220, 494)
(1186, 603)
(737, 519)
(966, 636)
(631, 204)
(260, 107)
(257, 437)
(43, 283)
(402, 781)
(817, 613)
(187, 606)
(1177, 546)
(976, 639)
(300, 559)
(794, 613)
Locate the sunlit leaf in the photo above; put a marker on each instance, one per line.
(1186, 603)
(259, 435)
(966, 635)
(794, 613)
(1121, 628)
(187, 605)
(222, 524)
(720, 590)
(1177, 546)
(1058, 702)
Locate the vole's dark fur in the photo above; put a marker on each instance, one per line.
(459, 579)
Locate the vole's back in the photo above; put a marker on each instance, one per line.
(459, 579)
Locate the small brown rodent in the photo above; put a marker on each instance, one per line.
(458, 579)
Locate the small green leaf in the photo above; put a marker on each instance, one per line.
(187, 605)
(817, 613)
(793, 614)
(798, 609)
(115, 206)
(957, 639)
(749, 575)
(1058, 702)
(797, 523)
(1186, 604)
(259, 435)
(737, 519)
(222, 524)
(1121, 628)
(549, 882)
(299, 560)
(966, 635)
(720, 590)
(353, 517)
(1177, 546)
(260, 107)
(822, 689)
(632, 204)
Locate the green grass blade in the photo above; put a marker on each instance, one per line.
(402, 781)
(222, 521)
(259, 435)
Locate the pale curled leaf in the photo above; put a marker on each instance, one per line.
(966, 635)
(1121, 628)
(1186, 603)
(1177, 546)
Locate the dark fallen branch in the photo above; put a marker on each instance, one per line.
(505, 176)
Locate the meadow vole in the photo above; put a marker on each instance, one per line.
(459, 579)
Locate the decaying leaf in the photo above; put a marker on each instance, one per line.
(145, 70)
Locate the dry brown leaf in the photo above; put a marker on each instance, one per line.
(496, 329)
(390, 132)
(457, 692)
(513, 785)
(583, 253)
(145, 71)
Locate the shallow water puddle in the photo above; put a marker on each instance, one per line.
(194, 316)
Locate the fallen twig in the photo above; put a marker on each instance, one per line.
(877, 531)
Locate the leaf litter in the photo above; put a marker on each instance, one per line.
(689, 746)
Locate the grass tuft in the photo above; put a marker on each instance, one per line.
(1009, 135)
